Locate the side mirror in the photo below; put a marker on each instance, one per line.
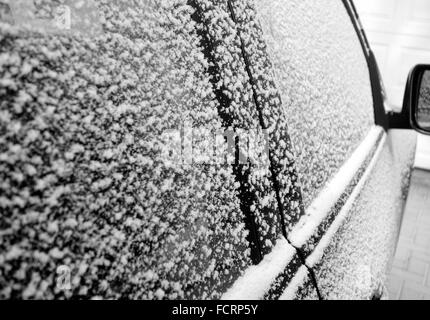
(418, 98)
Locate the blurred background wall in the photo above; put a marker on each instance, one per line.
(399, 33)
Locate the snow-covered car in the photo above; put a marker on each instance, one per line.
(196, 149)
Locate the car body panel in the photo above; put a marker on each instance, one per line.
(353, 262)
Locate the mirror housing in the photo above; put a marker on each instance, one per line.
(417, 98)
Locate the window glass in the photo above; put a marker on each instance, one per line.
(324, 82)
(100, 195)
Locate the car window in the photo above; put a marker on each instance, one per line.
(324, 83)
(96, 175)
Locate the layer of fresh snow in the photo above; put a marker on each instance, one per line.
(84, 181)
(296, 282)
(256, 280)
(324, 83)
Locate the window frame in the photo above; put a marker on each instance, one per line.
(377, 84)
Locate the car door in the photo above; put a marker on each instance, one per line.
(144, 151)
(353, 170)
(97, 199)
(363, 240)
